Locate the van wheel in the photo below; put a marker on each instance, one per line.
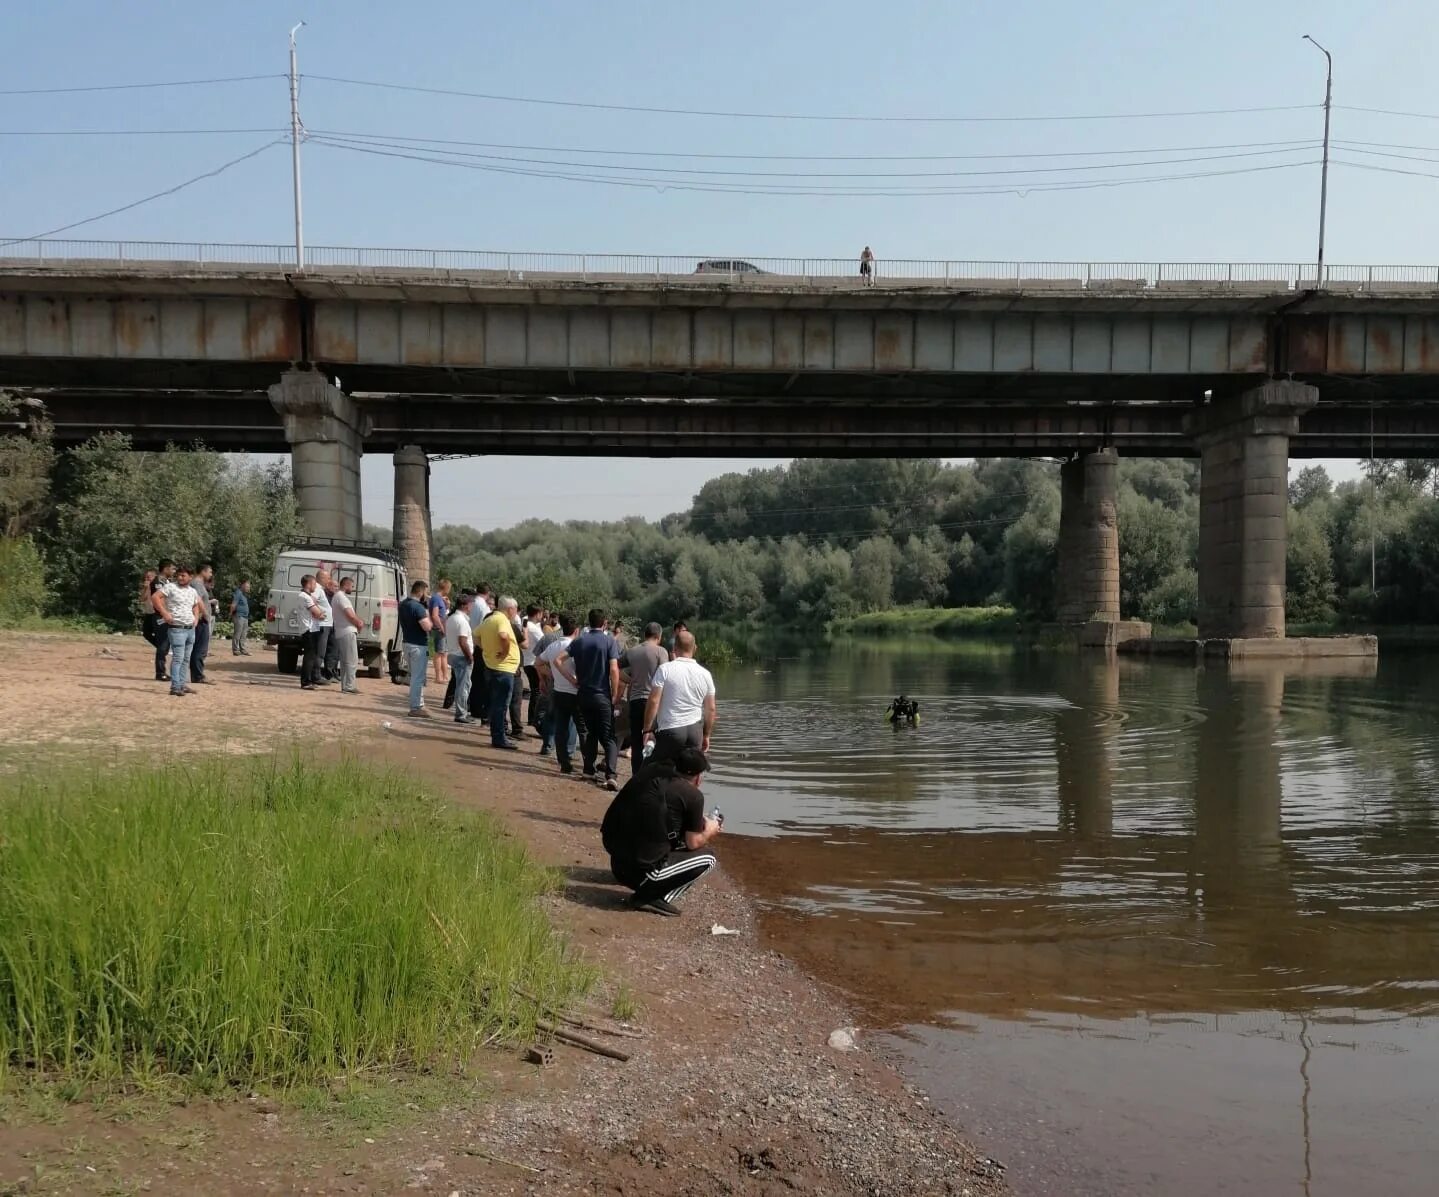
(374, 671)
(287, 659)
(396, 670)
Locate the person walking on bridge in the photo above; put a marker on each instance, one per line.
(866, 267)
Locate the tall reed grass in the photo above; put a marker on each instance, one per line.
(278, 923)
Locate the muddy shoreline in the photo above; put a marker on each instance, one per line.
(733, 1088)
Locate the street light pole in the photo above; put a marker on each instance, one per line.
(1324, 169)
(295, 151)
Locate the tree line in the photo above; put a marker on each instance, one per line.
(801, 544)
(795, 546)
(81, 527)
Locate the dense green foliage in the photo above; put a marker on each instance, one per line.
(113, 513)
(262, 924)
(966, 622)
(816, 541)
(794, 547)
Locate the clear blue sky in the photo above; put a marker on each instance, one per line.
(839, 57)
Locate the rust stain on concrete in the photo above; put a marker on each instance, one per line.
(137, 330)
(272, 330)
(1306, 340)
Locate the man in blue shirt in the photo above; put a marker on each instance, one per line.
(415, 628)
(240, 615)
(592, 665)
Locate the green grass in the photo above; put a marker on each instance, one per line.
(261, 924)
(624, 1005)
(930, 621)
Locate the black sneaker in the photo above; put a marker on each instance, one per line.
(612, 785)
(567, 768)
(657, 906)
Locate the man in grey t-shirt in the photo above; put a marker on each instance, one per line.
(200, 583)
(638, 664)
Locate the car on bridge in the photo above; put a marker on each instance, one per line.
(728, 266)
(380, 583)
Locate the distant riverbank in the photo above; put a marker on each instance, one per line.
(998, 621)
(1002, 622)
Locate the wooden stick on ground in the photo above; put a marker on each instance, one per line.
(498, 1159)
(575, 1039)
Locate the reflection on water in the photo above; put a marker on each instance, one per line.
(1185, 922)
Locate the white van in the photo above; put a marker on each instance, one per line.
(379, 586)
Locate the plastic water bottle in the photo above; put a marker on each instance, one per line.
(648, 750)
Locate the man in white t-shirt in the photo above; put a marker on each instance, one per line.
(178, 605)
(324, 626)
(460, 640)
(345, 635)
(680, 712)
(533, 635)
(564, 696)
(310, 613)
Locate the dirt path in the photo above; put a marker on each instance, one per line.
(733, 1088)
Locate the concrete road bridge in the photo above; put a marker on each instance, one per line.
(417, 352)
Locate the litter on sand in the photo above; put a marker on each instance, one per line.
(717, 929)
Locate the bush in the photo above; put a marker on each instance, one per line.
(261, 924)
(22, 581)
(950, 622)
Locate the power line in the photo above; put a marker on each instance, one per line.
(1423, 116)
(1388, 170)
(664, 184)
(793, 116)
(56, 91)
(544, 149)
(1354, 149)
(674, 170)
(209, 174)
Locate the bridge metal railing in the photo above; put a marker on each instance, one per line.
(756, 272)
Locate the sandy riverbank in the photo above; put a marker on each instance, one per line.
(733, 1088)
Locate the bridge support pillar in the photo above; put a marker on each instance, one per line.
(1243, 504)
(326, 434)
(1089, 539)
(412, 511)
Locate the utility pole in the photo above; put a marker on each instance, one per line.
(1324, 169)
(295, 152)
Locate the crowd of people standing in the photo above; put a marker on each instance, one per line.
(592, 692)
(584, 684)
(177, 614)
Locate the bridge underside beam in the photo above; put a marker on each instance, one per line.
(246, 420)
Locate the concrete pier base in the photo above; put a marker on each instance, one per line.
(1113, 632)
(1264, 648)
(326, 434)
(1243, 503)
(412, 511)
(1088, 582)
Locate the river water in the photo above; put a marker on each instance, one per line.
(1137, 927)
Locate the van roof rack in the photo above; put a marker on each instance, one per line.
(372, 548)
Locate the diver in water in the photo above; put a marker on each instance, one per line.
(902, 710)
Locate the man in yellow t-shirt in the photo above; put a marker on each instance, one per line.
(501, 652)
